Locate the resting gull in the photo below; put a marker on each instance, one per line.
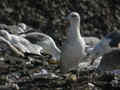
(19, 44)
(46, 42)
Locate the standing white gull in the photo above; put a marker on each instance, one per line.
(46, 42)
(73, 49)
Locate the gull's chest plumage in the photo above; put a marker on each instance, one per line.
(74, 49)
(72, 54)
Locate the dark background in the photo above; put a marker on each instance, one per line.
(98, 17)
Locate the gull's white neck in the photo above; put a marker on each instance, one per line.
(74, 37)
(73, 32)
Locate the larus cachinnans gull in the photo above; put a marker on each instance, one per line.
(19, 44)
(73, 49)
(46, 42)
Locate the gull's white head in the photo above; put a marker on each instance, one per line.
(22, 26)
(73, 17)
(72, 22)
